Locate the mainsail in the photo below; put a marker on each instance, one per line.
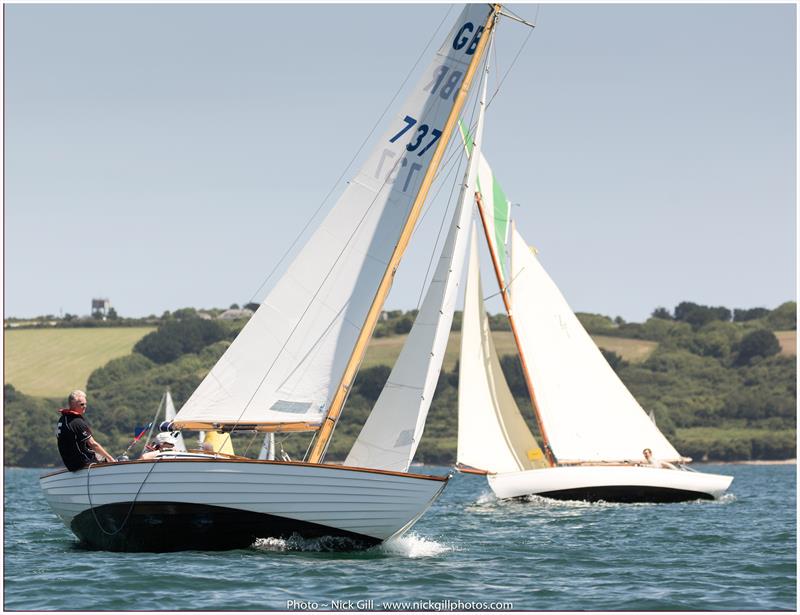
(288, 361)
(589, 413)
(393, 429)
(492, 435)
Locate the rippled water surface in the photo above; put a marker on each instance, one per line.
(737, 553)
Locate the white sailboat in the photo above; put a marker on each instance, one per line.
(293, 364)
(599, 444)
(169, 415)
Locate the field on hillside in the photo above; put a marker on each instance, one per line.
(788, 340)
(53, 362)
(384, 350)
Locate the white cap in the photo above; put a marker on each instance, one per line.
(166, 438)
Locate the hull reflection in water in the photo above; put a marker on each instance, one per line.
(172, 504)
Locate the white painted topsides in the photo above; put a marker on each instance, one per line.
(371, 503)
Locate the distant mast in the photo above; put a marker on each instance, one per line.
(507, 303)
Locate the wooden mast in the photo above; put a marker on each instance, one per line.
(351, 369)
(507, 302)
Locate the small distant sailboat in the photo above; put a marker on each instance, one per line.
(599, 444)
(292, 367)
(169, 415)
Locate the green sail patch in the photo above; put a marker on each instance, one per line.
(495, 203)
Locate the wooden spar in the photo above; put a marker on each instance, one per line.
(237, 459)
(266, 427)
(507, 302)
(351, 369)
(460, 467)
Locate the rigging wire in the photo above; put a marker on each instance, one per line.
(130, 508)
(341, 253)
(349, 164)
(514, 61)
(316, 293)
(321, 285)
(441, 225)
(249, 444)
(449, 203)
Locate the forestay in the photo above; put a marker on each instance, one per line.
(288, 360)
(492, 434)
(587, 411)
(393, 429)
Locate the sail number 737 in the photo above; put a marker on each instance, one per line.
(422, 132)
(420, 142)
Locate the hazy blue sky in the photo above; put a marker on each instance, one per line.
(165, 156)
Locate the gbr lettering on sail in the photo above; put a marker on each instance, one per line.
(415, 132)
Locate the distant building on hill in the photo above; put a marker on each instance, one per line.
(234, 314)
(100, 308)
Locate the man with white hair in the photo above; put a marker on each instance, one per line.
(75, 442)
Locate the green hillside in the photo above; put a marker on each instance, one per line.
(720, 388)
(384, 350)
(54, 361)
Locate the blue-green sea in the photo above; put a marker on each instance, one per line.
(469, 551)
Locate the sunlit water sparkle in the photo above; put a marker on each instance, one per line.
(733, 554)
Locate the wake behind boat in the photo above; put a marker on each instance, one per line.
(599, 444)
(292, 366)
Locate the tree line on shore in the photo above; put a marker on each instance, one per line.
(716, 383)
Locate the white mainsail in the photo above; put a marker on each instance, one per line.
(393, 429)
(288, 361)
(169, 415)
(492, 435)
(587, 411)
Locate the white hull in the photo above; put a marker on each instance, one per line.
(174, 503)
(610, 483)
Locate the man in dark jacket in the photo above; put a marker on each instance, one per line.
(75, 442)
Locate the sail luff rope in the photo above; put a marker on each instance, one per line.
(353, 159)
